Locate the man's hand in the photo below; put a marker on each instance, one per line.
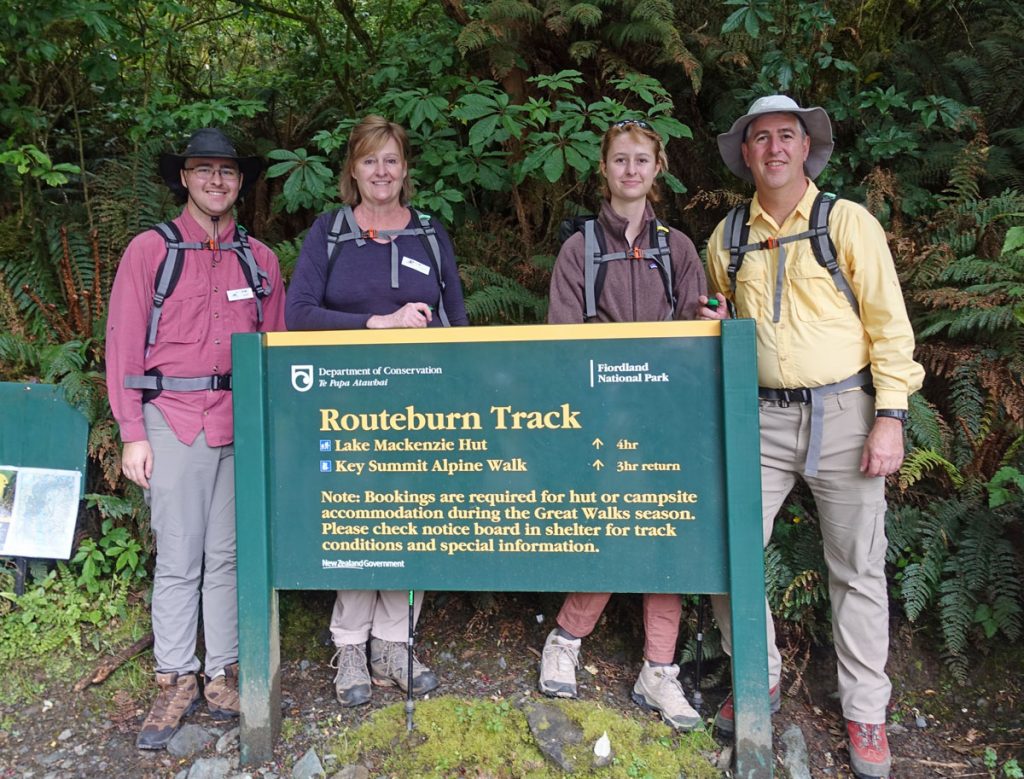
(717, 310)
(137, 462)
(883, 451)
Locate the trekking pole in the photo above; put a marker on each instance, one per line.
(698, 699)
(408, 692)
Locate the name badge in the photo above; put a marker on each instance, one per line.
(240, 294)
(416, 265)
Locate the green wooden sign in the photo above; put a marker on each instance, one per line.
(618, 457)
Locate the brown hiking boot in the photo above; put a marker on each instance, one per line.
(178, 697)
(222, 693)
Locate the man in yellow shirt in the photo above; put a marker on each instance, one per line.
(835, 368)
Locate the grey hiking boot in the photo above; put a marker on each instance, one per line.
(558, 664)
(178, 697)
(352, 682)
(222, 693)
(389, 665)
(658, 688)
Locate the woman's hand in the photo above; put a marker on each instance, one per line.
(713, 307)
(409, 315)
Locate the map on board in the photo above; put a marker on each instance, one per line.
(38, 510)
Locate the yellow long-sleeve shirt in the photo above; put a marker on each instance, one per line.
(814, 337)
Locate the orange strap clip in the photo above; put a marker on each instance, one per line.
(371, 233)
(770, 243)
(636, 254)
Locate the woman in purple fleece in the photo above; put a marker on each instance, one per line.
(376, 263)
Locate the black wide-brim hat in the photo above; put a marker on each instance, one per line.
(208, 142)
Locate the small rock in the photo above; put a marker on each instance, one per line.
(308, 767)
(228, 741)
(80, 750)
(603, 754)
(920, 721)
(796, 762)
(182, 774)
(981, 703)
(304, 665)
(50, 759)
(501, 663)
(355, 771)
(552, 730)
(896, 729)
(65, 735)
(189, 740)
(210, 768)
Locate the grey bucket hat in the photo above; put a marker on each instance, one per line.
(815, 120)
(208, 142)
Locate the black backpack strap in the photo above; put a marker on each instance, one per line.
(663, 258)
(823, 247)
(735, 239)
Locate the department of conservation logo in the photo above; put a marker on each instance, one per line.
(302, 377)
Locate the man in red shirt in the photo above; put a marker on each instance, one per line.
(169, 381)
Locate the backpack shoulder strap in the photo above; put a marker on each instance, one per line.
(428, 235)
(823, 247)
(257, 278)
(734, 238)
(662, 256)
(593, 249)
(343, 228)
(167, 275)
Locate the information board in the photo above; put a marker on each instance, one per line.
(611, 457)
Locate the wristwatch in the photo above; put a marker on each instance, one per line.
(895, 413)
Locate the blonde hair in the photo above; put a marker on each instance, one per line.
(640, 131)
(367, 137)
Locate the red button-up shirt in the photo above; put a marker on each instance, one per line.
(194, 332)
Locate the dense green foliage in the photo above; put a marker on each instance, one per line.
(505, 101)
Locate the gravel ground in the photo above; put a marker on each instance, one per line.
(484, 646)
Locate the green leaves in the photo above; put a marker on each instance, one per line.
(749, 16)
(310, 182)
(30, 161)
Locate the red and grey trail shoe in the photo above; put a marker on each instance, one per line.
(869, 750)
(725, 720)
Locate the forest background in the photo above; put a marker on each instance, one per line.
(505, 102)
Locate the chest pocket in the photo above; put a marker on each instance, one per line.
(185, 315)
(815, 297)
(754, 287)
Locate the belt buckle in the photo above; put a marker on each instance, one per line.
(784, 398)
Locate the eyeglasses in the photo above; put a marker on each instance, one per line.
(207, 172)
(633, 123)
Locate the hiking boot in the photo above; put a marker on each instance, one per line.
(389, 665)
(725, 721)
(869, 750)
(558, 666)
(658, 688)
(178, 697)
(352, 682)
(222, 693)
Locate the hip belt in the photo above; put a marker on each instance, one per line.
(816, 397)
(153, 384)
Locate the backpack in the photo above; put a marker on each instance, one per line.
(169, 272)
(736, 232)
(167, 275)
(344, 228)
(596, 256)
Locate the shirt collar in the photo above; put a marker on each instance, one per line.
(802, 210)
(191, 230)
